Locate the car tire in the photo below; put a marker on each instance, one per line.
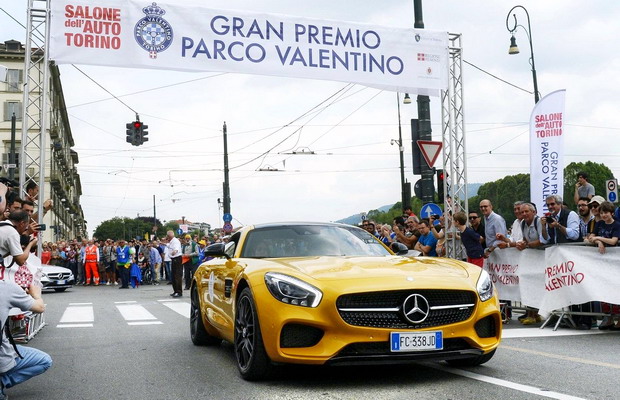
(472, 361)
(197, 330)
(60, 289)
(252, 359)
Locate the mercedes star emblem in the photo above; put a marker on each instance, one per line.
(416, 308)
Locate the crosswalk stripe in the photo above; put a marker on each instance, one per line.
(74, 326)
(78, 314)
(134, 312)
(145, 323)
(180, 308)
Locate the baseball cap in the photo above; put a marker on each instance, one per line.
(597, 199)
(188, 236)
(202, 242)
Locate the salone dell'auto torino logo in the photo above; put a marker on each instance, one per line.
(153, 33)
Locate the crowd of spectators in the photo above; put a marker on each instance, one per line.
(596, 222)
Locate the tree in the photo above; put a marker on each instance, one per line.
(597, 175)
(123, 228)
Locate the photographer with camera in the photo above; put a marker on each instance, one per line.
(17, 363)
(559, 225)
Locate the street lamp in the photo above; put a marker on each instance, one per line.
(405, 194)
(513, 44)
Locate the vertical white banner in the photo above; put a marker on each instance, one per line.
(547, 149)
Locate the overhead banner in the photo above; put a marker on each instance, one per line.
(547, 149)
(165, 35)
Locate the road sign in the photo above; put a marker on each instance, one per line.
(363, 215)
(612, 190)
(227, 217)
(179, 231)
(429, 209)
(430, 151)
(227, 228)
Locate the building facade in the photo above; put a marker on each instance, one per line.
(62, 182)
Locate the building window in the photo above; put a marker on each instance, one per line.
(11, 107)
(14, 79)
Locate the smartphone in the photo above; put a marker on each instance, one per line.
(42, 227)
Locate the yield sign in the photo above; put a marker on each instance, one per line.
(430, 150)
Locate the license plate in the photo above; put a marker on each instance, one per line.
(63, 282)
(416, 341)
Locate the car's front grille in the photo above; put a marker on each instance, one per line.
(385, 309)
(55, 276)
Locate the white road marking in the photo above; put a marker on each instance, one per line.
(125, 302)
(134, 312)
(166, 300)
(537, 332)
(80, 304)
(181, 308)
(145, 323)
(507, 384)
(75, 326)
(75, 314)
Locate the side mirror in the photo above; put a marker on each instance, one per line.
(216, 250)
(399, 248)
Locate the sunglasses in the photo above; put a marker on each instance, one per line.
(474, 217)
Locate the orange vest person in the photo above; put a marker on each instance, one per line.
(91, 263)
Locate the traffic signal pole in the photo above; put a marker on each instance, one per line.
(226, 181)
(424, 120)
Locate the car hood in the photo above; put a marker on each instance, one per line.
(50, 269)
(372, 268)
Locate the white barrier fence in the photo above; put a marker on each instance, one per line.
(556, 277)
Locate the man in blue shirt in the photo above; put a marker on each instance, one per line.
(123, 261)
(426, 243)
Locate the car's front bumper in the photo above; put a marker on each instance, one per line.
(330, 340)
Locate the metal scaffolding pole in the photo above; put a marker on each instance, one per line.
(36, 89)
(453, 137)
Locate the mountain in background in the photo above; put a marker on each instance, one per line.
(355, 219)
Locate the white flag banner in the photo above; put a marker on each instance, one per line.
(547, 149)
(577, 275)
(177, 36)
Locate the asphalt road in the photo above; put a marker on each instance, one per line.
(134, 344)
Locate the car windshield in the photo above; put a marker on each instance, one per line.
(310, 241)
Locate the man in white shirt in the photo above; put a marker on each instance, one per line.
(174, 246)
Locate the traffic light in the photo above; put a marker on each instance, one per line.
(144, 133)
(131, 133)
(137, 127)
(440, 175)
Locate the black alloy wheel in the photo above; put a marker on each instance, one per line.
(252, 360)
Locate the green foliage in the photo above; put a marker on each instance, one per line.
(597, 175)
(503, 193)
(125, 228)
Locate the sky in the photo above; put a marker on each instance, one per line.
(355, 168)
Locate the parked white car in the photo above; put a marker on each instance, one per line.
(57, 278)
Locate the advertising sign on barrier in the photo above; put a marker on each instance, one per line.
(556, 277)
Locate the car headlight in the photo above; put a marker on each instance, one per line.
(484, 286)
(293, 291)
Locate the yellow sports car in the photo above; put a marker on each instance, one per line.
(319, 293)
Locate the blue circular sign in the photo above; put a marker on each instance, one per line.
(612, 197)
(430, 209)
(227, 217)
(179, 231)
(227, 227)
